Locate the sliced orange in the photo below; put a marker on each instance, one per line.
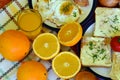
(46, 46)
(66, 65)
(70, 34)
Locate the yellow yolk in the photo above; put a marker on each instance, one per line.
(66, 8)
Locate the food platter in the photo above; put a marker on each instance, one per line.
(102, 71)
(86, 13)
(8, 69)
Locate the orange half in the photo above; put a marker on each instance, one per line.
(70, 34)
(46, 46)
(66, 65)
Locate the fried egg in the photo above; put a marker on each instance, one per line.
(44, 8)
(65, 12)
(58, 12)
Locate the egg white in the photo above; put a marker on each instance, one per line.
(44, 9)
(61, 18)
(51, 10)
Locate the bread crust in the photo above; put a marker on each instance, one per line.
(107, 22)
(95, 51)
(115, 72)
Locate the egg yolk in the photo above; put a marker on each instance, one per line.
(66, 8)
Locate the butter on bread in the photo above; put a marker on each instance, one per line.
(95, 51)
(115, 72)
(107, 22)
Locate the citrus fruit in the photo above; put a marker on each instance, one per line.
(31, 70)
(4, 2)
(70, 33)
(46, 46)
(66, 64)
(85, 75)
(14, 45)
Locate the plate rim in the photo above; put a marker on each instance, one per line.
(84, 22)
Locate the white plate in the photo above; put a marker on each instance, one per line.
(99, 70)
(85, 15)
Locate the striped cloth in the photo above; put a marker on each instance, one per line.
(8, 20)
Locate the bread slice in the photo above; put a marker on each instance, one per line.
(115, 72)
(107, 22)
(95, 51)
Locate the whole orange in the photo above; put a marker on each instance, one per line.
(85, 75)
(32, 70)
(4, 2)
(14, 45)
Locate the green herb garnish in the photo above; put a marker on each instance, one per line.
(114, 27)
(102, 51)
(74, 14)
(91, 45)
(104, 57)
(105, 21)
(95, 56)
(115, 19)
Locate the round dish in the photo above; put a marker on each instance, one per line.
(104, 72)
(87, 13)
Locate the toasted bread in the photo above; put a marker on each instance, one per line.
(115, 72)
(95, 51)
(107, 22)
